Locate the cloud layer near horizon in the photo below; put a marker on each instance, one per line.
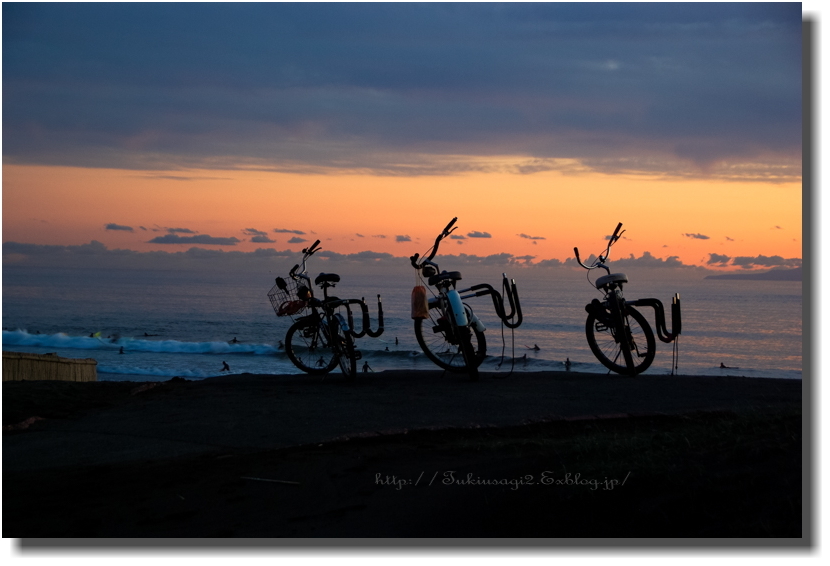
(403, 89)
(97, 255)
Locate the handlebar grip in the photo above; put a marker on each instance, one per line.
(414, 260)
(293, 269)
(446, 230)
(617, 229)
(576, 251)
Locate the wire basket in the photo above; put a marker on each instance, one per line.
(284, 299)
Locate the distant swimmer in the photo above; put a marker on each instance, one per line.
(536, 347)
(234, 341)
(567, 364)
(280, 346)
(321, 362)
(387, 348)
(121, 351)
(366, 368)
(145, 334)
(726, 367)
(396, 340)
(225, 366)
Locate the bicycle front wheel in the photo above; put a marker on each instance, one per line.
(309, 347)
(435, 336)
(345, 352)
(607, 343)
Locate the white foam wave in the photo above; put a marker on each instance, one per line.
(61, 340)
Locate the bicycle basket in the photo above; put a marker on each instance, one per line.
(284, 299)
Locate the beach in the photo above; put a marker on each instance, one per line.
(404, 454)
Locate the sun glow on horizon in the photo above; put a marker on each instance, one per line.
(544, 214)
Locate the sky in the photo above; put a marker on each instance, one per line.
(223, 129)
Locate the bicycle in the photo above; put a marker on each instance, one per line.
(319, 341)
(617, 333)
(447, 329)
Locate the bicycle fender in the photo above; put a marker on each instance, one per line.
(457, 307)
(474, 320)
(342, 321)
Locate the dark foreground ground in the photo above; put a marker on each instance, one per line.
(727, 465)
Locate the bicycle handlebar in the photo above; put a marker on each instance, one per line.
(311, 249)
(444, 233)
(603, 257)
(614, 236)
(307, 253)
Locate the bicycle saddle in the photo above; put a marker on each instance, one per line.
(613, 278)
(327, 278)
(445, 275)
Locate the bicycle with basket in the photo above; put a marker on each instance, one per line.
(321, 337)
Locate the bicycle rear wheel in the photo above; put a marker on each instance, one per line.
(435, 336)
(345, 355)
(308, 346)
(607, 345)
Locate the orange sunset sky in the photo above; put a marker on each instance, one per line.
(349, 212)
(369, 126)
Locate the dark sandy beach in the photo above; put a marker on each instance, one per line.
(406, 455)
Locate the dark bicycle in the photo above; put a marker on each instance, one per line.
(618, 335)
(321, 337)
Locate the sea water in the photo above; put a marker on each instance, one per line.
(169, 323)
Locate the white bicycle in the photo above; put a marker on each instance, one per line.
(449, 332)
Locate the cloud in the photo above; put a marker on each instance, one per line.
(379, 236)
(525, 258)
(202, 239)
(286, 231)
(458, 237)
(112, 226)
(648, 260)
(747, 262)
(477, 234)
(728, 239)
(359, 235)
(531, 237)
(403, 239)
(180, 231)
(697, 236)
(553, 262)
(297, 240)
(258, 236)
(406, 88)
(718, 259)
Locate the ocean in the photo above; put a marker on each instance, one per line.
(172, 323)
